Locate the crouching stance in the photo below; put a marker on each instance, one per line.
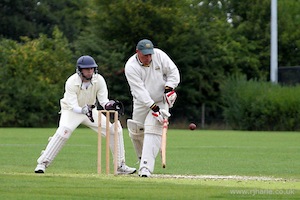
(145, 133)
(152, 77)
(78, 107)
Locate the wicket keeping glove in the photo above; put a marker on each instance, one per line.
(87, 110)
(115, 105)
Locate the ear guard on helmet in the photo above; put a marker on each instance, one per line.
(86, 62)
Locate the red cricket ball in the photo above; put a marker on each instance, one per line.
(192, 126)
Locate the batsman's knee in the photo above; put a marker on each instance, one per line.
(153, 129)
(135, 128)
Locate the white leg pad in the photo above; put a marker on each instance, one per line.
(136, 133)
(138, 145)
(153, 129)
(121, 150)
(54, 146)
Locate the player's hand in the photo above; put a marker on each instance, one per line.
(115, 105)
(87, 110)
(171, 98)
(159, 114)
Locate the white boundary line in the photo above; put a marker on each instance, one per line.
(218, 177)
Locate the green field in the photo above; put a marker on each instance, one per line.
(201, 164)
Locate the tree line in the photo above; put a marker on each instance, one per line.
(209, 40)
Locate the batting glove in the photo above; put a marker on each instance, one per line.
(171, 98)
(159, 114)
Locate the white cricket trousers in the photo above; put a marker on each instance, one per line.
(152, 133)
(69, 121)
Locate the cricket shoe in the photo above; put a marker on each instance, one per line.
(40, 169)
(124, 169)
(144, 172)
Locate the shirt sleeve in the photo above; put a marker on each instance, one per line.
(171, 71)
(70, 95)
(102, 93)
(137, 86)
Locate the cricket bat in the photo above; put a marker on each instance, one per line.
(164, 143)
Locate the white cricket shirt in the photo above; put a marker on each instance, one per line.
(77, 96)
(147, 84)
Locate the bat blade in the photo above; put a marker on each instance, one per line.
(164, 143)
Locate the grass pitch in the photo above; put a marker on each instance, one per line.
(200, 165)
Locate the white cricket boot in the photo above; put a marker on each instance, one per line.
(144, 172)
(40, 168)
(124, 169)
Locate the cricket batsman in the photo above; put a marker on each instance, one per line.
(152, 77)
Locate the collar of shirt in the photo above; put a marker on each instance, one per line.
(140, 63)
(79, 80)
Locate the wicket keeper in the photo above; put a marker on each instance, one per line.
(78, 107)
